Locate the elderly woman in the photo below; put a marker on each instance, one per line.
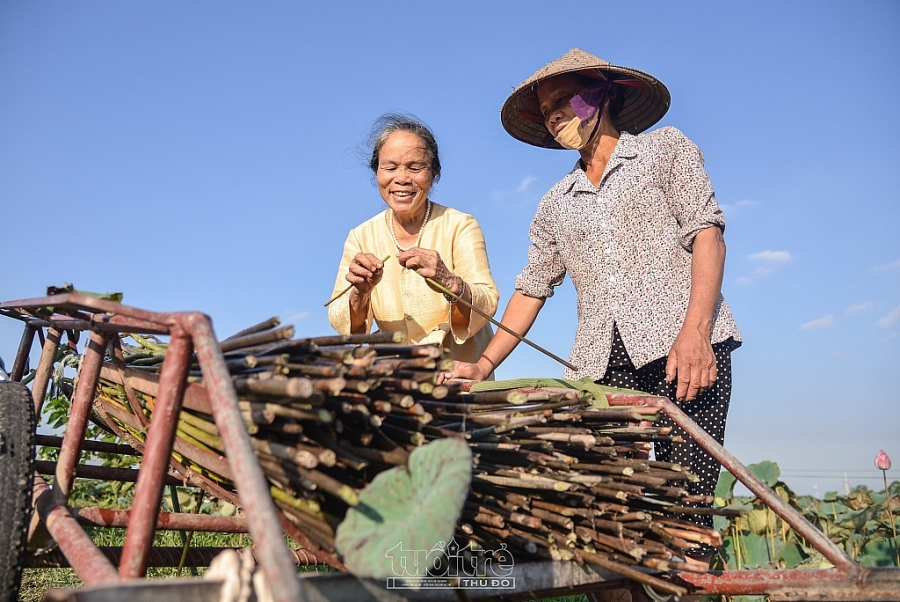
(636, 226)
(421, 239)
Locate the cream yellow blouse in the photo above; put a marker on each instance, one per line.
(403, 302)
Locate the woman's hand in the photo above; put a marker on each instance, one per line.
(693, 362)
(365, 272)
(479, 371)
(428, 264)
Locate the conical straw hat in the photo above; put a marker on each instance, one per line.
(646, 98)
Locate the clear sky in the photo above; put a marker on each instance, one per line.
(203, 156)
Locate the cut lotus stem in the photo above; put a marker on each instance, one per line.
(502, 327)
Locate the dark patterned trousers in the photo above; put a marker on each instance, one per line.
(709, 410)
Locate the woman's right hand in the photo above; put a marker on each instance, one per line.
(467, 370)
(365, 272)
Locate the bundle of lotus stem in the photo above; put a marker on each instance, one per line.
(553, 477)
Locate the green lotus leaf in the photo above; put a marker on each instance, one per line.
(725, 487)
(790, 556)
(768, 472)
(407, 514)
(856, 518)
(878, 552)
(756, 551)
(815, 560)
(762, 521)
(786, 493)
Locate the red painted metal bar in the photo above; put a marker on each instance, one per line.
(79, 412)
(869, 583)
(169, 556)
(78, 548)
(155, 465)
(44, 369)
(804, 528)
(249, 480)
(18, 369)
(105, 313)
(165, 521)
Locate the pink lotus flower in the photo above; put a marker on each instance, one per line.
(882, 461)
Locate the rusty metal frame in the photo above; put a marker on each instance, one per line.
(846, 581)
(193, 332)
(189, 332)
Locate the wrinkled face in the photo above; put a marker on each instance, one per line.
(404, 173)
(554, 95)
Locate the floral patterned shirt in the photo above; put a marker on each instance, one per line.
(627, 247)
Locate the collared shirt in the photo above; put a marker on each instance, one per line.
(627, 247)
(403, 302)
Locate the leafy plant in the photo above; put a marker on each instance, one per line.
(414, 507)
(759, 539)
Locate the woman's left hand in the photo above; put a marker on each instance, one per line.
(428, 264)
(693, 362)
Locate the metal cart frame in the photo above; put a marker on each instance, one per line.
(192, 337)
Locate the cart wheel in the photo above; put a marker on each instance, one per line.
(17, 426)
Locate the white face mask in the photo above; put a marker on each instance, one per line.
(577, 134)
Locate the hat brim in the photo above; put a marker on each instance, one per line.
(642, 107)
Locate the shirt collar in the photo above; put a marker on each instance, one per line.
(626, 148)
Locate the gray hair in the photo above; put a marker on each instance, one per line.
(389, 123)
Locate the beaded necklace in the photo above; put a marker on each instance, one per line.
(418, 235)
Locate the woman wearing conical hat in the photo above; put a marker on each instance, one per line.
(636, 226)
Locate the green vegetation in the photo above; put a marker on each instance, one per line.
(858, 521)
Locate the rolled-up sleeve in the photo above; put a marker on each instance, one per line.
(693, 202)
(470, 262)
(545, 269)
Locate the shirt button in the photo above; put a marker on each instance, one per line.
(612, 279)
(602, 224)
(408, 317)
(607, 251)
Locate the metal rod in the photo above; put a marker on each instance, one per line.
(861, 583)
(45, 368)
(252, 487)
(167, 557)
(165, 521)
(344, 292)
(804, 528)
(18, 370)
(499, 325)
(155, 463)
(103, 473)
(88, 445)
(79, 412)
(91, 565)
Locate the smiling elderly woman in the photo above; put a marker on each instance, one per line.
(421, 239)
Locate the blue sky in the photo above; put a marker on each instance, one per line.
(204, 156)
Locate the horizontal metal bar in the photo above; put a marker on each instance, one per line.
(170, 590)
(162, 557)
(89, 445)
(860, 583)
(101, 473)
(170, 521)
